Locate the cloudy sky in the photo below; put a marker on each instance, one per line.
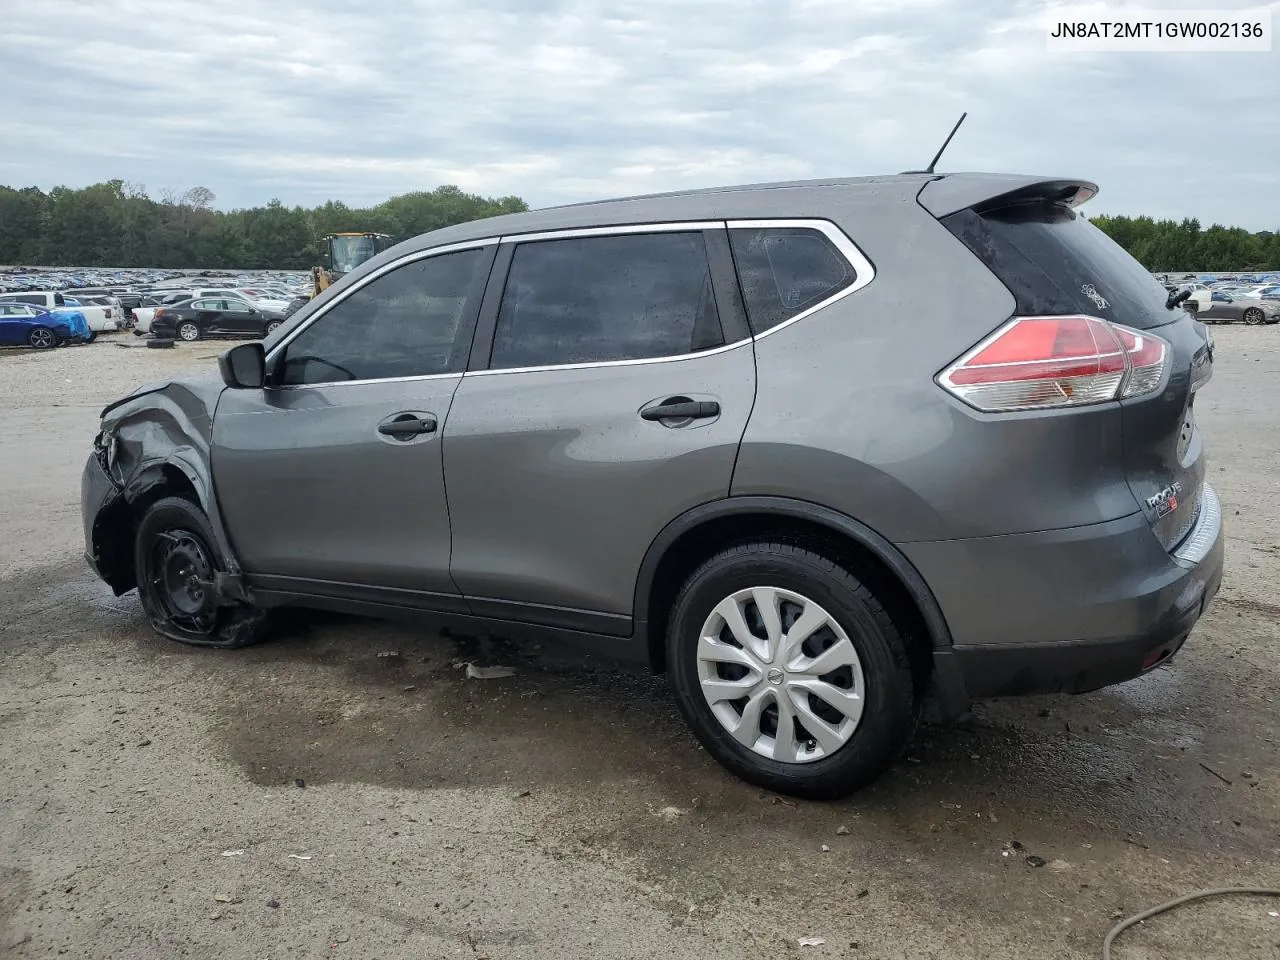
(562, 100)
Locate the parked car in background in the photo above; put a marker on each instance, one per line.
(1226, 308)
(679, 428)
(25, 324)
(212, 316)
(145, 312)
(99, 318)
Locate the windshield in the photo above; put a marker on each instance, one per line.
(350, 252)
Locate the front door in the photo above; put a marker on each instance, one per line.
(330, 479)
(613, 400)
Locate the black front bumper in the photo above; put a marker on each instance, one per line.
(108, 550)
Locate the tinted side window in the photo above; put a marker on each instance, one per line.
(785, 271)
(590, 299)
(406, 323)
(31, 298)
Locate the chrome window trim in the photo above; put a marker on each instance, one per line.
(365, 281)
(352, 383)
(593, 364)
(864, 273)
(863, 270)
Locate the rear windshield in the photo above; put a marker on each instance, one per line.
(1054, 261)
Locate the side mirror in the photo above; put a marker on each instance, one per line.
(244, 367)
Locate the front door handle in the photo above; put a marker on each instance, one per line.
(406, 426)
(681, 409)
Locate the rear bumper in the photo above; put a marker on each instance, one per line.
(1067, 611)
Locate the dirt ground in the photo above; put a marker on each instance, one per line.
(153, 798)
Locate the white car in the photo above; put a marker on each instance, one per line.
(100, 319)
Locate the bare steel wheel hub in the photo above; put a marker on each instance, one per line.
(780, 674)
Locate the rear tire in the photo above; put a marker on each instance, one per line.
(1253, 316)
(271, 327)
(176, 562)
(830, 752)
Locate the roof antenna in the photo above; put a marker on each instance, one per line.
(937, 156)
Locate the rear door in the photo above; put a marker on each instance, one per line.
(330, 479)
(1055, 262)
(240, 318)
(610, 386)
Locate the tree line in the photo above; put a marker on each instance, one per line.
(116, 224)
(1169, 246)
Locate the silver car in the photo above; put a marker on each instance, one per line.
(729, 433)
(1228, 307)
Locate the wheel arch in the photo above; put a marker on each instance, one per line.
(707, 528)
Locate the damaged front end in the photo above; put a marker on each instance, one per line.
(152, 444)
(108, 520)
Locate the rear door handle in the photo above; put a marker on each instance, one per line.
(407, 426)
(681, 410)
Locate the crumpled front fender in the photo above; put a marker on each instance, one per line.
(155, 443)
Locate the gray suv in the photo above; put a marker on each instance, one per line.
(814, 449)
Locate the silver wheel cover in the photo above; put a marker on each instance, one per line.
(780, 675)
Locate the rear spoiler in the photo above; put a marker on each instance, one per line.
(962, 191)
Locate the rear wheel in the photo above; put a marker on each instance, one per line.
(176, 564)
(1253, 316)
(42, 338)
(789, 670)
(272, 326)
(188, 331)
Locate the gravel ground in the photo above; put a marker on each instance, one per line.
(153, 804)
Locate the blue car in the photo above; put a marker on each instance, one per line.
(26, 325)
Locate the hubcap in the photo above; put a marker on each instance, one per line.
(41, 338)
(189, 332)
(1253, 316)
(780, 674)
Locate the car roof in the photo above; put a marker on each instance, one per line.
(947, 193)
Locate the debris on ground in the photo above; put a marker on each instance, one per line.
(811, 941)
(273, 904)
(842, 831)
(300, 783)
(299, 856)
(1215, 773)
(670, 814)
(144, 742)
(388, 653)
(233, 853)
(825, 848)
(1034, 861)
(226, 898)
(488, 673)
(523, 793)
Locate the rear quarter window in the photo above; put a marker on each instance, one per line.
(785, 271)
(1054, 262)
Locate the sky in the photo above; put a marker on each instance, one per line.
(564, 100)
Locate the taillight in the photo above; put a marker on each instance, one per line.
(106, 312)
(1033, 363)
(158, 314)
